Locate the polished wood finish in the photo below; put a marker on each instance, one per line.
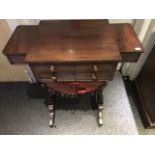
(75, 42)
(77, 23)
(145, 84)
(68, 50)
(129, 45)
(18, 44)
(86, 53)
(71, 72)
(116, 41)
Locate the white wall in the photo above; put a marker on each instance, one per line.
(15, 22)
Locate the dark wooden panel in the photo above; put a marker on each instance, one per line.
(127, 39)
(16, 59)
(43, 77)
(74, 72)
(102, 76)
(130, 57)
(145, 83)
(129, 44)
(77, 23)
(73, 67)
(72, 28)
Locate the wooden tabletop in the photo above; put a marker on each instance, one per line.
(73, 40)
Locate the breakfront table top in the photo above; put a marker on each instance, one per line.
(73, 41)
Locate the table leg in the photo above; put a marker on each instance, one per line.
(51, 110)
(99, 101)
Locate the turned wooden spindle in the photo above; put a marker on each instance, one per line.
(95, 68)
(93, 75)
(52, 69)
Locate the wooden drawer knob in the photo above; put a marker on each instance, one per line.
(93, 76)
(54, 78)
(95, 68)
(52, 68)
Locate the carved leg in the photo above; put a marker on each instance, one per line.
(93, 101)
(51, 110)
(99, 101)
(100, 115)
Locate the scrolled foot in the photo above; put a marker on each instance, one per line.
(100, 115)
(51, 115)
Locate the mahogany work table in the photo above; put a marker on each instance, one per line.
(73, 56)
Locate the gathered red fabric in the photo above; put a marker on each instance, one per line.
(74, 88)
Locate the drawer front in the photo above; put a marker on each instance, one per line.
(59, 77)
(74, 72)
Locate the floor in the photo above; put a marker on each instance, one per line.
(21, 115)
